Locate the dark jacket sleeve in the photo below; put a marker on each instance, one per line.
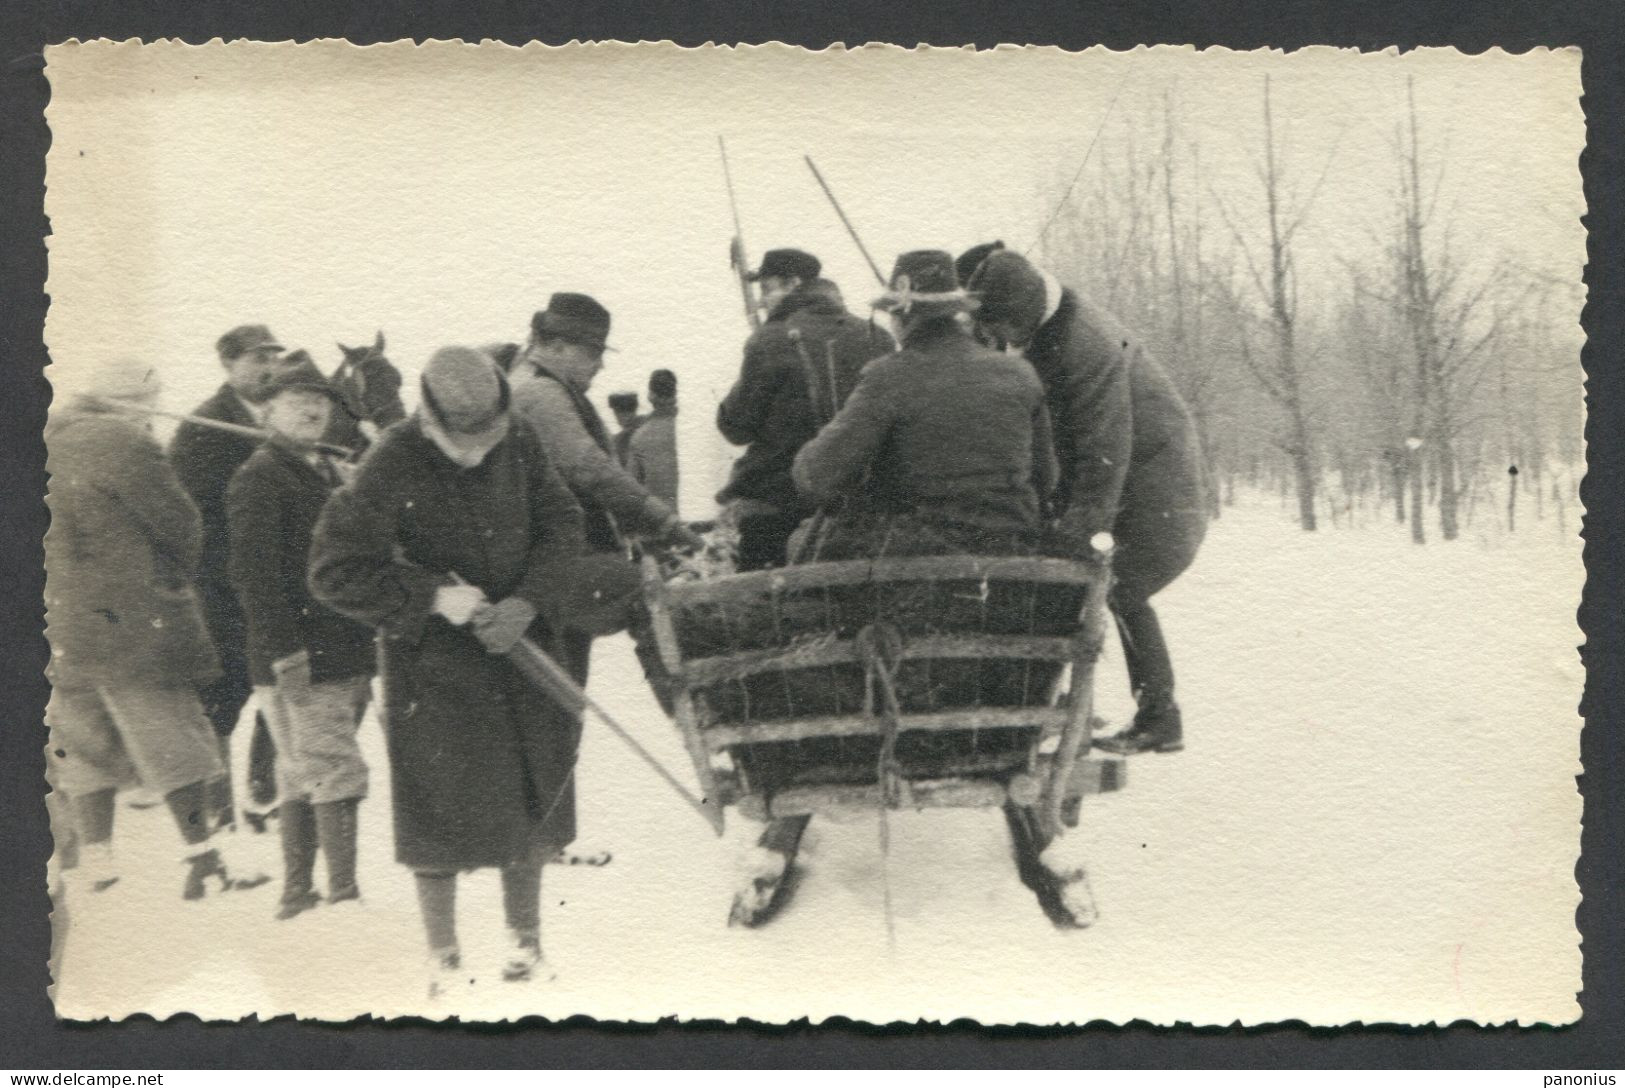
(254, 514)
(840, 452)
(355, 568)
(556, 528)
(1098, 411)
(744, 411)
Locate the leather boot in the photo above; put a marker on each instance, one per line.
(298, 827)
(336, 827)
(1157, 727)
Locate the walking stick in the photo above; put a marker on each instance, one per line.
(537, 666)
(845, 222)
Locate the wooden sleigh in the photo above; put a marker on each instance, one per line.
(943, 681)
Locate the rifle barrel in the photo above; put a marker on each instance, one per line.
(216, 424)
(845, 222)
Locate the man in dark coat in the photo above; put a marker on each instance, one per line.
(480, 761)
(943, 446)
(311, 667)
(798, 369)
(128, 643)
(1131, 463)
(205, 459)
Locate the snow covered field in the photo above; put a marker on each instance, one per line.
(1375, 819)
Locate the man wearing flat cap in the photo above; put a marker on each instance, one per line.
(205, 459)
(1130, 461)
(457, 538)
(551, 378)
(798, 370)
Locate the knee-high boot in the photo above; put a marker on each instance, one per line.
(298, 829)
(336, 829)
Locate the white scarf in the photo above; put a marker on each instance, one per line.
(464, 451)
(1052, 296)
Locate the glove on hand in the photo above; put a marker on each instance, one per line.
(677, 535)
(500, 625)
(458, 603)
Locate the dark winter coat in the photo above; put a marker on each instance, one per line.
(120, 557)
(205, 459)
(481, 762)
(272, 506)
(799, 367)
(1129, 454)
(944, 429)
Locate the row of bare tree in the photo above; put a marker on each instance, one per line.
(1427, 374)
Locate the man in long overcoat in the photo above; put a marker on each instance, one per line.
(651, 452)
(480, 761)
(128, 643)
(1130, 461)
(798, 370)
(205, 459)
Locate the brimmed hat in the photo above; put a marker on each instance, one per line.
(623, 402)
(302, 376)
(244, 339)
(120, 378)
(578, 318)
(787, 262)
(463, 379)
(923, 283)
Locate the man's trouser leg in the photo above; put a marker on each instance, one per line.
(223, 701)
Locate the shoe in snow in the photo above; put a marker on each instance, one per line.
(595, 859)
(446, 975)
(1156, 728)
(209, 864)
(295, 905)
(763, 887)
(524, 962)
(96, 868)
(351, 894)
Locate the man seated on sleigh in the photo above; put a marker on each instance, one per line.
(943, 448)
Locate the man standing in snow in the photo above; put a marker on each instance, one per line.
(625, 408)
(652, 451)
(205, 459)
(311, 667)
(798, 369)
(481, 762)
(1130, 461)
(128, 644)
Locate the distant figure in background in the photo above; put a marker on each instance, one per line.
(128, 644)
(652, 453)
(311, 667)
(1130, 462)
(625, 408)
(205, 459)
(369, 391)
(797, 371)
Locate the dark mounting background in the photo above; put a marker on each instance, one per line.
(31, 1038)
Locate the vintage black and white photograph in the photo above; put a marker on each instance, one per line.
(1019, 536)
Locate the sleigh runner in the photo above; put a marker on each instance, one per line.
(941, 681)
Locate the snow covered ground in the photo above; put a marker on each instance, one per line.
(1375, 819)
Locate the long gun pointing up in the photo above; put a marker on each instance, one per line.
(845, 222)
(736, 248)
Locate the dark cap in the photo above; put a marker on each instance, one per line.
(788, 262)
(923, 282)
(970, 260)
(579, 319)
(302, 376)
(623, 402)
(662, 384)
(1010, 289)
(244, 339)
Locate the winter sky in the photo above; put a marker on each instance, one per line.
(442, 193)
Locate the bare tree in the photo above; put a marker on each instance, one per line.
(1273, 276)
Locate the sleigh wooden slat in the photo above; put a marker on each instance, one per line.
(776, 681)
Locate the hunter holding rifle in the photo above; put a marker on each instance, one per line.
(799, 367)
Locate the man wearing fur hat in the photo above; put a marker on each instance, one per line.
(128, 644)
(481, 762)
(205, 459)
(1130, 461)
(311, 667)
(798, 369)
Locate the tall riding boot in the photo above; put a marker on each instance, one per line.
(222, 805)
(261, 765)
(299, 830)
(336, 829)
